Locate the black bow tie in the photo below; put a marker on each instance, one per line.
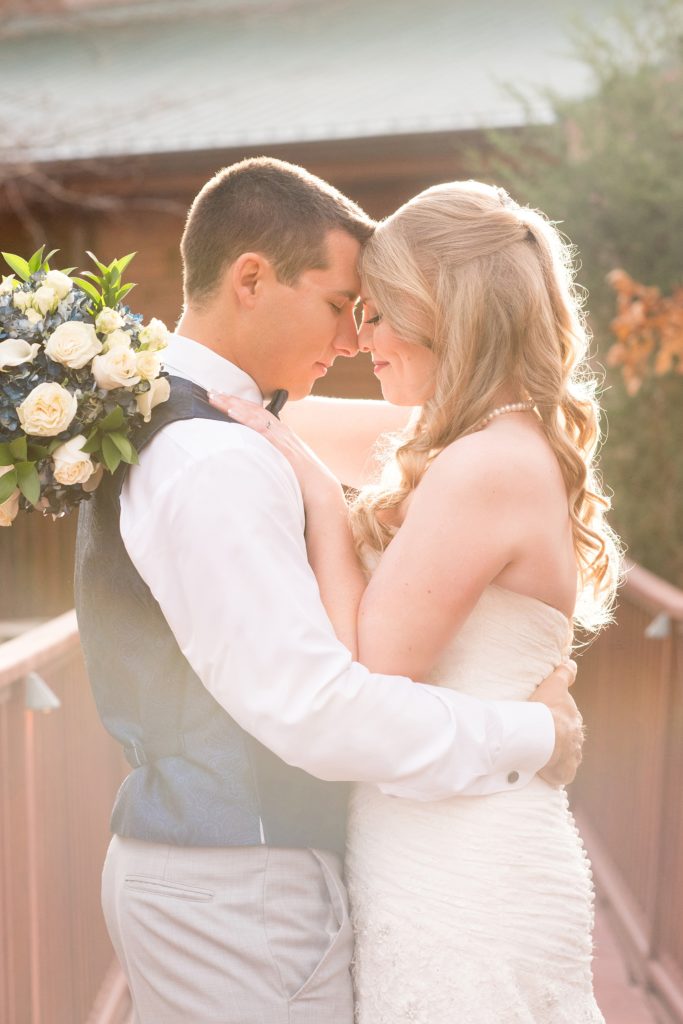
(277, 402)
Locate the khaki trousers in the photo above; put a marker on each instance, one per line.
(243, 935)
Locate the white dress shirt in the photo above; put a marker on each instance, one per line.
(213, 521)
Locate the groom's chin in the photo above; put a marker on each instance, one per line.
(300, 390)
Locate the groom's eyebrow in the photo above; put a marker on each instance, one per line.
(352, 296)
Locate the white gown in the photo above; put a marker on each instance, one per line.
(476, 910)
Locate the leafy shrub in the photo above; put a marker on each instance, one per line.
(609, 169)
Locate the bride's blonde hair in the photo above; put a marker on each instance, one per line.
(488, 286)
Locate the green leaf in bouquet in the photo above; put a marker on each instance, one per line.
(88, 288)
(19, 449)
(92, 445)
(18, 265)
(122, 292)
(110, 454)
(103, 269)
(123, 262)
(95, 277)
(6, 457)
(113, 420)
(36, 452)
(28, 481)
(46, 261)
(36, 261)
(128, 453)
(8, 483)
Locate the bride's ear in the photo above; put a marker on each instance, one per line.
(249, 274)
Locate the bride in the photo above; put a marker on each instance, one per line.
(481, 541)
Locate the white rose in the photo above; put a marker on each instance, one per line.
(148, 364)
(117, 339)
(48, 410)
(71, 465)
(10, 507)
(7, 284)
(22, 299)
(45, 299)
(60, 282)
(33, 317)
(154, 335)
(108, 320)
(73, 344)
(14, 352)
(116, 369)
(159, 392)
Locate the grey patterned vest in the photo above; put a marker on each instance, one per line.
(198, 779)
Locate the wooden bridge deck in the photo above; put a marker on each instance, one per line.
(620, 1000)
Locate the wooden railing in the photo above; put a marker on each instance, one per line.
(628, 797)
(58, 776)
(59, 773)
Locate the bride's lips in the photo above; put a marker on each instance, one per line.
(378, 366)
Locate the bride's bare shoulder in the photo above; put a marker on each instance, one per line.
(504, 457)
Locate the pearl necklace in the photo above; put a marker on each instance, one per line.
(502, 409)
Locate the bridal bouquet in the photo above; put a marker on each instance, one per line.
(78, 373)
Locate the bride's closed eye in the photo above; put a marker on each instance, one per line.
(374, 320)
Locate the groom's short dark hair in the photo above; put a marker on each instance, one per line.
(268, 206)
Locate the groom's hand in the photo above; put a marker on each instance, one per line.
(554, 693)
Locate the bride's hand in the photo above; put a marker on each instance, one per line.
(317, 482)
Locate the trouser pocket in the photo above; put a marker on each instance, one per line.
(306, 921)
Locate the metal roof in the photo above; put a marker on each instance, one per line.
(163, 78)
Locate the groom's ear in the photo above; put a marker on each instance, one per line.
(249, 274)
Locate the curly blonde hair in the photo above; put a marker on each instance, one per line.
(488, 286)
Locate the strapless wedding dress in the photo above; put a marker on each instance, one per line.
(476, 910)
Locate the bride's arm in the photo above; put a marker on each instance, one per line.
(462, 528)
(332, 557)
(329, 544)
(465, 523)
(343, 432)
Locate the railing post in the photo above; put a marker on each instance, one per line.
(31, 847)
(669, 849)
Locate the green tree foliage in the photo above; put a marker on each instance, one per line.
(610, 169)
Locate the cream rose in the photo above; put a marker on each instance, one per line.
(48, 410)
(117, 339)
(108, 320)
(33, 317)
(116, 369)
(148, 364)
(7, 284)
(9, 507)
(14, 352)
(22, 300)
(61, 283)
(45, 299)
(159, 392)
(70, 464)
(154, 335)
(73, 344)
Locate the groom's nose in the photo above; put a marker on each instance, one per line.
(346, 340)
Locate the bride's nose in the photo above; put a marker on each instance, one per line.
(365, 338)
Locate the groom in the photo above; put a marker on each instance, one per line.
(214, 664)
